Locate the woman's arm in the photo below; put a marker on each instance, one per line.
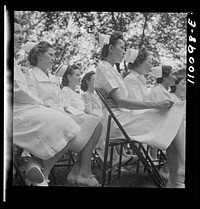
(88, 104)
(131, 104)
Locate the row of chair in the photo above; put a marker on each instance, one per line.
(106, 167)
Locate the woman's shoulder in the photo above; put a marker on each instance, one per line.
(102, 68)
(85, 94)
(156, 89)
(66, 88)
(130, 77)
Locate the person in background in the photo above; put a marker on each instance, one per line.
(135, 81)
(159, 125)
(41, 85)
(40, 130)
(165, 77)
(93, 105)
(178, 90)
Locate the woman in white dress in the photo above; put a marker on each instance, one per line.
(158, 126)
(178, 91)
(93, 105)
(166, 80)
(135, 81)
(36, 128)
(41, 85)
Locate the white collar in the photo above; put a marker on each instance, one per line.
(136, 73)
(107, 64)
(163, 88)
(40, 75)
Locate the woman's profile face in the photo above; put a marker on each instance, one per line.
(47, 58)
(18, 37)
(181, 86)
(118, 51)
(171, 78)
(145, 66)
(91, 81)
(75, 77)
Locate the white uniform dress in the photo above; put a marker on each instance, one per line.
(93, 104)
(159, 93)
(40, 130)
(136, 86)
(46, 89)
(72, 98)
(154, 127)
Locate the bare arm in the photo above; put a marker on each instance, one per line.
(131, 104)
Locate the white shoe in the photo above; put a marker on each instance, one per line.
(44, 183)
(25, 153)
(32, 169)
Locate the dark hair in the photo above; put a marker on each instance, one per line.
(69, 71)
(41, 47)
(141, 58)
(177, 81)
(86, 77)
(166, 70)
(115, 36)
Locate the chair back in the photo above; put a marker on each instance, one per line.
(145, 160)
(103, 96)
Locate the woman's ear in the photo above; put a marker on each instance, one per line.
(39, 55)
(110, 48)
(87, 81)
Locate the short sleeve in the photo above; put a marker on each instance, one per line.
(22, 94)
(104, 79)
(133, 88)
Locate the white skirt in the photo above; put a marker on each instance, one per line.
(44, 131)
(153, 127)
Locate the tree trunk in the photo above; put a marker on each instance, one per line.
(114, 21)
(143, 31)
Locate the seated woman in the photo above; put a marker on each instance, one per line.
(93, 105)
(156, 125)
(136, 82)
(166, 79)
(39, 83)
(36, 128)
(178, 90)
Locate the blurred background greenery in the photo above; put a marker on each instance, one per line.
(75, 36)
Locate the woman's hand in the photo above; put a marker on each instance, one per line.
(112, 103)
(164, 104)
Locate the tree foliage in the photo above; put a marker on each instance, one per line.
(75, 34)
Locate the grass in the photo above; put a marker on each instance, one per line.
(129, 178)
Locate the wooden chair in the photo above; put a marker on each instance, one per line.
(140, 151)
